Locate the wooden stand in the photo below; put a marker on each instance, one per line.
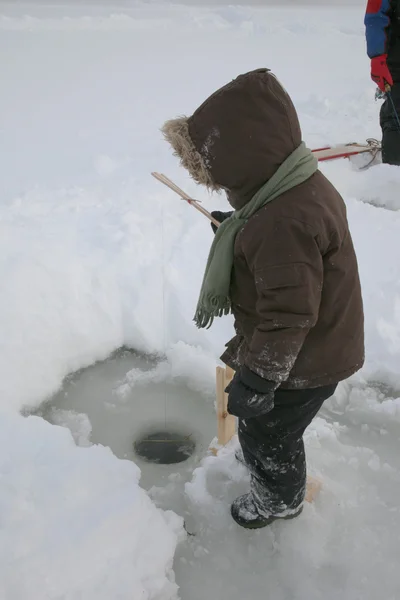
(226, 425)
(314, 487)
(226, 422)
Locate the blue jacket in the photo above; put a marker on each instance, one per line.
(377, 26)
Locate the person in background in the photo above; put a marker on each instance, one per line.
(284, 264)
(382, 27)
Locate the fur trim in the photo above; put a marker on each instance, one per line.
(176, 132)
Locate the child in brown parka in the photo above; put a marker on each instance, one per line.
(284, 264)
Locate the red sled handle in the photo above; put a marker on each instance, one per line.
(346, 150)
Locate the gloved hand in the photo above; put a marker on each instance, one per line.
(380, 72)
(220, 216)
(250, 395)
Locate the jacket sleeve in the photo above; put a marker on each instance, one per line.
(287, 266)
(377, 20)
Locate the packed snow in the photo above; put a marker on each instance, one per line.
(95, 255)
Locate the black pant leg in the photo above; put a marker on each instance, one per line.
(273, 448)
(390, 127)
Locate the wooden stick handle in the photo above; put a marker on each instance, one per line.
(172, 186)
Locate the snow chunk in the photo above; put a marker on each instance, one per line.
(75, 523)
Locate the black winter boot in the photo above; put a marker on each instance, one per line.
(245, 513)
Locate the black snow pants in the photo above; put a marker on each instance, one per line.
(390, 127)
(273, 448)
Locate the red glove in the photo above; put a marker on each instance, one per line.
(380, 72)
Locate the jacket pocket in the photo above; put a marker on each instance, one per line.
(281, 276)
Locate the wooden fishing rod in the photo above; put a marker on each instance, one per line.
(172, 186)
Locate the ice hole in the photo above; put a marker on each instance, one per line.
(165, 447)
(125, 400)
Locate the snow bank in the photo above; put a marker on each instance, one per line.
(190, 364)
(75, 523)
(375, 233)
(85, 269)
(378, 186)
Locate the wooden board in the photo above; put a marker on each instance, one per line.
(313, 488)
(229, 375)
(226, 422)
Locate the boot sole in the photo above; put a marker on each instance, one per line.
(263, 522)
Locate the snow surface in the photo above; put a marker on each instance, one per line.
(94, 255)
(75, 523)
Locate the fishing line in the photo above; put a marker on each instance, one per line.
(163, 312)
(389, 95)
(166, 446)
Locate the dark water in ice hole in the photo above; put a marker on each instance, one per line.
(91, 405)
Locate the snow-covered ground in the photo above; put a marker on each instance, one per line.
(95, 255)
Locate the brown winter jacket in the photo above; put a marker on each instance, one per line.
(295, 288)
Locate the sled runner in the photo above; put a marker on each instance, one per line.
(347, 150)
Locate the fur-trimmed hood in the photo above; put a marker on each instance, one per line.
(238, 137)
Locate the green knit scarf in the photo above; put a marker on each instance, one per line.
(214, 300)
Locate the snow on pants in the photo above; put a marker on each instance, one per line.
(273, 448)
(390, 128)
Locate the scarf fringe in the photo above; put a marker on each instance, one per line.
(216, 307)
